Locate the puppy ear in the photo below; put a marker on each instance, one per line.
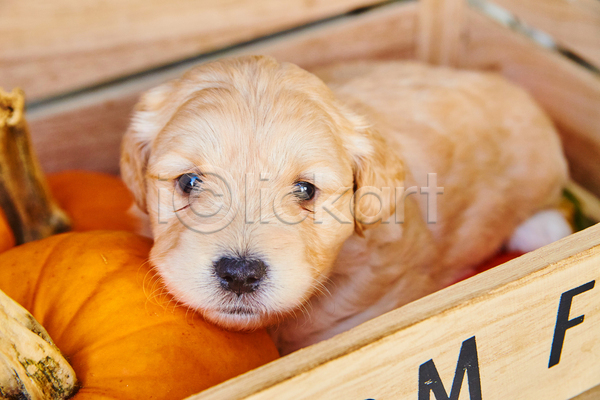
(148, 119)
(378, 171)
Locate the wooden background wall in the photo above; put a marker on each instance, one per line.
(55, 46)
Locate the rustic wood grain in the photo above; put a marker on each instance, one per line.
(573, 24)
(569, 93)
(511, 310)
(49, 47)
(441, 30)
(84, 131)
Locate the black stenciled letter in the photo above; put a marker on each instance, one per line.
(563, 322)
(429, 379)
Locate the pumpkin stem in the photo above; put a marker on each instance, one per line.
(30, 209)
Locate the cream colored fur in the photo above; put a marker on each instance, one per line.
(375, 125)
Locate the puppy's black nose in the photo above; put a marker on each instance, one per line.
(240, 275)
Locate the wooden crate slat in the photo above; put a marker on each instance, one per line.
(441, 27)
(84, 131)
(50, 47)
(568, 92)
(511, 311)
(574, 24)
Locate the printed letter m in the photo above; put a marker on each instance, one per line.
(429, 379)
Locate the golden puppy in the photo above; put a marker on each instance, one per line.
(275, 200)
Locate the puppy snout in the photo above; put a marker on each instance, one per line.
(240, 275)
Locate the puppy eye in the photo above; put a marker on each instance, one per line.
(188, 182)
(304, 191)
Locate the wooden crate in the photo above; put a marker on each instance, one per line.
(529, 329)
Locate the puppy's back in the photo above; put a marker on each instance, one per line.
(494, 151)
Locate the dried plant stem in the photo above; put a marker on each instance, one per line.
(24, 195)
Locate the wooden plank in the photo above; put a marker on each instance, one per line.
(440, 31)
(573, 24)
(568, 92)
(49, 47)
(511, 311)
(84, 131)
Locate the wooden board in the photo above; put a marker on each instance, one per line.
(84, 131)
(573, 24)
(49, 47)
(441, 29)
(500, 327)
(568, 92)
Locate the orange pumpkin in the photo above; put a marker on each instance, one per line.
(93, 200)
(7, 239)
(108, 313)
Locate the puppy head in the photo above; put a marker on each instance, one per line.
(248, 169)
